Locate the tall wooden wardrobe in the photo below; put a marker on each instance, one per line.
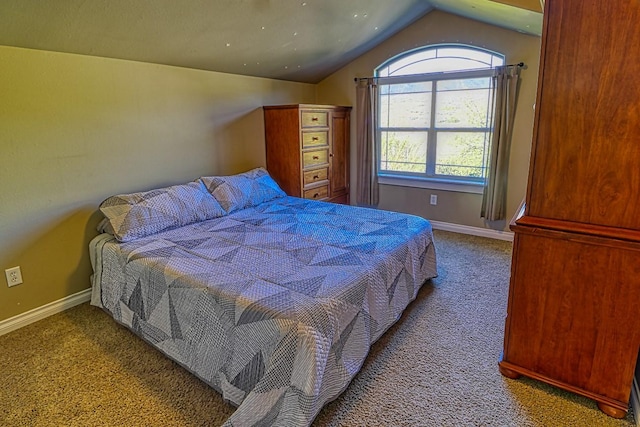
(307, 150)
(573, 317)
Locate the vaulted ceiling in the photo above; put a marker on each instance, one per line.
(297, 40)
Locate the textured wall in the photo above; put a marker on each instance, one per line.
(439, 27)
(75, 129)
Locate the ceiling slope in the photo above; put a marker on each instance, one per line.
(293, 40)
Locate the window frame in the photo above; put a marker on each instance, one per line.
(427, 179)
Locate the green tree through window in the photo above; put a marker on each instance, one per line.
(436, 113)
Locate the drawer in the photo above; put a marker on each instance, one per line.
(311, 119)
(312, 139)
(316, 175)
(317, 193)
(316, 157)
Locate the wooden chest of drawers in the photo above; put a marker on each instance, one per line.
(307, 149)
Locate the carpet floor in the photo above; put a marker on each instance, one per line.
(436, 367)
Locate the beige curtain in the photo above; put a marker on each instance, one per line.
(506, 86)
(367, 193)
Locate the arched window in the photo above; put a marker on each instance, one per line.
(436, 113)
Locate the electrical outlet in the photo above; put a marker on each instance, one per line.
(434, 199)
(14, 276)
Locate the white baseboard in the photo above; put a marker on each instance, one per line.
(31, 316)
(474, 231)
(635, 400)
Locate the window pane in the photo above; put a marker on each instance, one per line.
(410, 63)
(462, 108)
(439, 59)
(480, 83)
(405, 88)
(481, 59)
(403, 151)
(448, 64)
(406, 105)
(461, 153)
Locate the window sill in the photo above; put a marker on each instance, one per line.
(434, 184)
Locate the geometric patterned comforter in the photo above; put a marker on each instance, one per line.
(274, 306)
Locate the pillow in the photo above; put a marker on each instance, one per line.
(243, 190)
(135, 215)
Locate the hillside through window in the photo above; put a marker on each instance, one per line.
(436, 113)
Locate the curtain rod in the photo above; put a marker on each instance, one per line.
(519, 64)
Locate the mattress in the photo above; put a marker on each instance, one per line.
(275, 306)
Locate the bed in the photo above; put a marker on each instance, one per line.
(274, 301)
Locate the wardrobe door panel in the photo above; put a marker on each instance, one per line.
(587, 158)
(340, 155)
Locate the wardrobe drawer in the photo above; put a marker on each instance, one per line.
(311, 119)
(313, 139)
(316, 157)
(316, 175)
(317, 193)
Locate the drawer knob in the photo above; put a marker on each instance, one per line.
(315, 157)
(314, 119)
(315, 176)
(315, 196)
(315, 138)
